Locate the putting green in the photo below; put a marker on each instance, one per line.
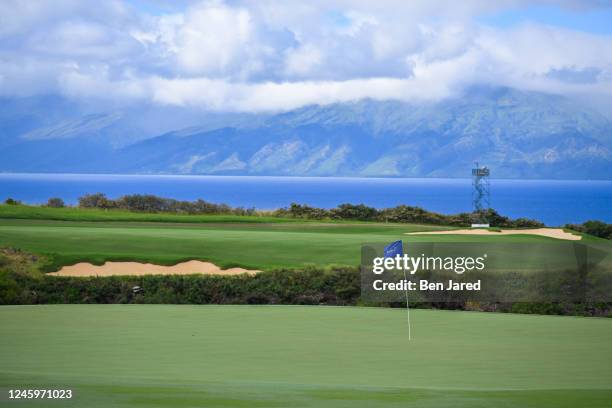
(243, 356)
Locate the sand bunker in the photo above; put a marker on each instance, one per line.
(135, 268)
(545, 232)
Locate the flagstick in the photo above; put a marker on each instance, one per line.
(407, 305)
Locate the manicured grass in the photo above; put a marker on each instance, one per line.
(251, 245)
(70, 235)
(280, 356)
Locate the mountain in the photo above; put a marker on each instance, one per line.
(53, 134)
(51, 117)
(515, 133)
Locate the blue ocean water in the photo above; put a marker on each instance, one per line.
(554, 202)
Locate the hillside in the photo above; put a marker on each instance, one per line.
(517, 134)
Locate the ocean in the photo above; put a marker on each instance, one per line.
(554, 202)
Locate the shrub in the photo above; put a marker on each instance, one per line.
(20, 283)
(11, 201)
(55, 202)
(97, 200)
(400, 214)
(597, 228)
(359, 212)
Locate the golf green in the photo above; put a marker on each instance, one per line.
(243, 356)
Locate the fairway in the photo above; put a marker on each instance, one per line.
(239, 356)
(227, 244)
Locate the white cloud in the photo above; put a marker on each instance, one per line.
(271, 55)
(222, 95)
(303, 60)
(213, 38)
(82, 39)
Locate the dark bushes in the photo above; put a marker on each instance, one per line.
(153, 204)
(401, 214)
(357, 212)
(55, 202)
(339, 286)
(597, 228)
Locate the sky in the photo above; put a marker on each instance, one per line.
(264, 55)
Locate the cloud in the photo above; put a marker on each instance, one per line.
(267, 96)
(586, 75)
(270, 55)
(212, 39)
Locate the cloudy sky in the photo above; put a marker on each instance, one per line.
(275, 55)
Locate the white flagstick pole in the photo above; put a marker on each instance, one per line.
(407, 305)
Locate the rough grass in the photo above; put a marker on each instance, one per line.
(92, 214)
(244, 356)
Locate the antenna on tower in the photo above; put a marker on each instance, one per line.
(481, 195)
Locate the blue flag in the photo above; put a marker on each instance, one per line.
(393, 249)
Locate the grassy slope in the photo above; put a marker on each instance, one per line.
(84, 214)
(70, 235)
(305, 356)
(252, 245)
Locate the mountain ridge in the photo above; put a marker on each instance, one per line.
(517, 134)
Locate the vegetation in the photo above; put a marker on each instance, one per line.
(402, 214)
(253, 245)
(311, 286)
(595, 228)
(262, 356)
(352, 212)
(12, 201)
(153, 204)
(21, 282)
(297, 254)
(26, 212)
(55, 202)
